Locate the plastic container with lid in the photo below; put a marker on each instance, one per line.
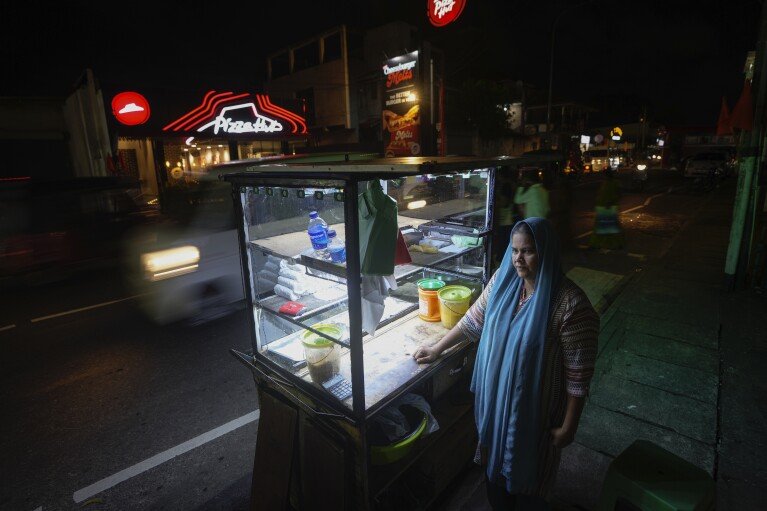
(428, 302)
(454, 301)
(323, 356)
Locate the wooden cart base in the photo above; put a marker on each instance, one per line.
(309, 462)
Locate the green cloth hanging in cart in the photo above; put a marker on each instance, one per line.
(378, 230)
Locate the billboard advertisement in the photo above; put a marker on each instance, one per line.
(401, 106)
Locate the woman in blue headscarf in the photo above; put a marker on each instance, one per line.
(537, 334)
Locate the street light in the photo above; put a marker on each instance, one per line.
(551, 60)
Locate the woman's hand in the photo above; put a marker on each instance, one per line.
(426, 354)
(562, 437)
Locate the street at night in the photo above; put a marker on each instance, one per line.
(406, 255)
(110, 418)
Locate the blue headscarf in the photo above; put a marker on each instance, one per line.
(509, 366)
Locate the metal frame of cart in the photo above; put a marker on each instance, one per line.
(336, 418)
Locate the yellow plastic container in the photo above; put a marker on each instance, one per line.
(428, 302)
(454, 301)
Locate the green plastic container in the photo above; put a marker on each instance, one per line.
(385, 454)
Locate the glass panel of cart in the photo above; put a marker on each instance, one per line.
(296, 259)
(297, 262)
(443, 222)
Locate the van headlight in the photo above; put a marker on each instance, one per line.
(169, 263)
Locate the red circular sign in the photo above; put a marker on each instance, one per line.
(443, 12)
(130, 108)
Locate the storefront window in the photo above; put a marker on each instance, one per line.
(185, 162)
(260, 149)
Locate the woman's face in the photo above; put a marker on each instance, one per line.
(524, 256)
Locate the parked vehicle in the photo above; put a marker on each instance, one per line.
(596, 160)
(713, 164)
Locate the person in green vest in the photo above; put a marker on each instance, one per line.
(531, 197)
(504, 196)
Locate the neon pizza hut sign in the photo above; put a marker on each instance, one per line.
(230, 113)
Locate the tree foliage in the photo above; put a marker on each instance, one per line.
(481, 105)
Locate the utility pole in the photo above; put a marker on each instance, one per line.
(740, 235)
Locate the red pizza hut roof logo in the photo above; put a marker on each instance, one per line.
(444, 12)
(130, 108)
(227, 112)
(399, 73)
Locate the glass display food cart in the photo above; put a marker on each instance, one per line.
(332, 255)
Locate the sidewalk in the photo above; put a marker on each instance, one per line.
(667, 343)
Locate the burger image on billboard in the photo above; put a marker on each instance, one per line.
(404, 132)
(130, 108)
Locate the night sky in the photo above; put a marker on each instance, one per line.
(676, 57)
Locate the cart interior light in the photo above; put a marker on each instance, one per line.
(171, 262)
(416, 204)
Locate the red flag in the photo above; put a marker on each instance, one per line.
(723, 126)
(743, 113)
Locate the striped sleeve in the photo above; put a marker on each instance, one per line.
(472, 322)
(579, 334)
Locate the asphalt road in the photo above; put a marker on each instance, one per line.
(105, 410)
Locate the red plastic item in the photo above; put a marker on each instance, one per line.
(401, 254)
(292, 308)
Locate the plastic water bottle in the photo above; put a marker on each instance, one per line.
(318, 231)
(336, 248)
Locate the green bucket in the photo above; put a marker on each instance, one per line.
(384, 454)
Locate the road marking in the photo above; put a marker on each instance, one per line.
(644, 204)
(81, 309)
(158, 459)
(647, 201)
(7, 327)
